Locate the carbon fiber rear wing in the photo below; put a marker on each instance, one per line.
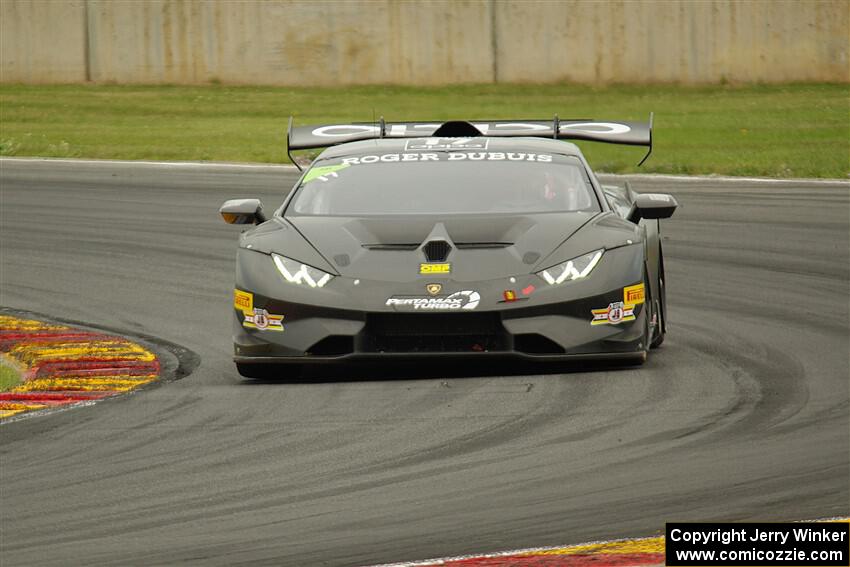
(325, 135)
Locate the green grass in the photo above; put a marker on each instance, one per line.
(779, 131)
(8, 378)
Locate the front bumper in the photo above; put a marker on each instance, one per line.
(557, 332)
(355, 320)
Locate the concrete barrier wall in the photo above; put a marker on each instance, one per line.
(344, 42)
(42, 42)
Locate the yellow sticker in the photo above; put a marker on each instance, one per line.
(634, 294)
(243, 300)
(435, 268)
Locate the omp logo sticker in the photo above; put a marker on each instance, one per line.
(634, 294)
(262, 320)
(465, 299)
(243, 300)
(614, 314)
(435, 268)
(62, 365)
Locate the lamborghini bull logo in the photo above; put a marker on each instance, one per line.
(466, 300)
(433, 288)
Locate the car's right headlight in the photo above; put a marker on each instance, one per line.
(297, 273)
(577, 268)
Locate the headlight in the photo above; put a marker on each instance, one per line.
(570, 270)
(298, 273)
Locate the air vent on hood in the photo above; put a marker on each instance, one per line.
(481, 245)
(436, 250)
(390, 246)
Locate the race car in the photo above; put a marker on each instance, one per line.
(459, 239)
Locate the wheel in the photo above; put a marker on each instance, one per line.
(661, 309)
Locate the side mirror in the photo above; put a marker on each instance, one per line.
(652, 206)
(242, 211)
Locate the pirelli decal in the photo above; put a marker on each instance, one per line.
(243, 300)
(634, 294)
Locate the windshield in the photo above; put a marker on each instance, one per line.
(444, 183)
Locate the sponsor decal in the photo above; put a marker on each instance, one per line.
(528, 290)
(634, 294)
(446, 144)
(435, 268)
(243, 300)
(425, 129)
(434, 288)
(323, 173)
(466, 300)
(602, 128)
(616, 313)
(449, 156)
(262, 320)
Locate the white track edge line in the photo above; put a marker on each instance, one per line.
(187, 164)
(724, 178)
(289, 167)
(443, 560)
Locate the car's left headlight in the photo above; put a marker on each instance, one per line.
(575, 269)
(298, 273)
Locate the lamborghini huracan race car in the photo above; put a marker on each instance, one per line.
(456, 239)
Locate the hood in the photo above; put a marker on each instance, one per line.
(481, 247)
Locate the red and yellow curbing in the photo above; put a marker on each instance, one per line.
(617, 553)
(63, 365)
(620, 553)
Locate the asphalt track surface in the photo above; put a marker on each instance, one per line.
(742, 415)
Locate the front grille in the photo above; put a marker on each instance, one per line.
(427, 332)
(436, 250)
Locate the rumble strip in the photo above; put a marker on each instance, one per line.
(62, 366)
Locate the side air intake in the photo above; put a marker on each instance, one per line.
(436, 250)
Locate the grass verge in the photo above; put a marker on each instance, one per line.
(778, 131)
(9, 378)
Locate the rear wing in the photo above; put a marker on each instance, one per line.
(325, 135)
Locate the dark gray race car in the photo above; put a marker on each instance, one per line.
(457, 239)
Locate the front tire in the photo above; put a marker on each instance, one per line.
(661, 310)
